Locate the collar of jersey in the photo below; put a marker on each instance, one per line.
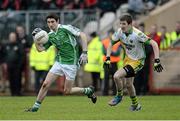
(129, 31)
(59, 25)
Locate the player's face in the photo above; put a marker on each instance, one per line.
(124, 26)
(52, 24)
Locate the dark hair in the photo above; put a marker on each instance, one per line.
(111, 30)
(142, 24)
(53, 15)
(163, 27)
(93, 34)
(126, 17)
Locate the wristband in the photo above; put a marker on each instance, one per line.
(157, 60)
(84, 52)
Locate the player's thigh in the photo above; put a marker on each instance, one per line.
(51, 77)
(120, 73)
(68, 86)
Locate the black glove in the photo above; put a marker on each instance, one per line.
(33, 68)
(35, 31)
(107, 63)
(157, 65)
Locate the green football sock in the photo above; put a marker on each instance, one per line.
(119, 93)
(87, 91)
(37, 104)
(134, 100)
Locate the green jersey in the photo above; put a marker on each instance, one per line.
(65, 41)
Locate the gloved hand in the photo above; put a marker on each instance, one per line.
(107, 63)
(35, 31)
(33, 68)
(83, 58)
(157, 65)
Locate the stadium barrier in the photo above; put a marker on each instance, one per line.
(168, 81)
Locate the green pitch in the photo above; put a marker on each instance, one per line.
(80, 107)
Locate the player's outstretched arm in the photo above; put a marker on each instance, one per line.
(108, 53)
(155, 48)
(84, 41)
(83, 58)
(157, 64)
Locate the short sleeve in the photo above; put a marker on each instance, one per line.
(75, 31)
(143, 37)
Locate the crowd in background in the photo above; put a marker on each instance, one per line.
(135, 6)
(18, 55)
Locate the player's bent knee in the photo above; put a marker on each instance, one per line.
(45, 85)
(67, 91)
(116, 77)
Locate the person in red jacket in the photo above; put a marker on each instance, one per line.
(154, 34)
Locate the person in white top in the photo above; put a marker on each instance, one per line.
(133, 41)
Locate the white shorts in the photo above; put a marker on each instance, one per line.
(63, 69)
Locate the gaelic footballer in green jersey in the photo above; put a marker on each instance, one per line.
(65, 39)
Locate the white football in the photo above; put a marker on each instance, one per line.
(41, 37)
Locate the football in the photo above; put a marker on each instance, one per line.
(41, 37)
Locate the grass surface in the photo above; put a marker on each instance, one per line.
(80, 107)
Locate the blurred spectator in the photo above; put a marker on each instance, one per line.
(10, 4)
(118, 3)
(154, 34)
(14, 60)
(136, 7)
(3, 68)
(141, 27)
(91, 4)
(46, 4)
(25, 41)
(78, 4)
(41, 63)
(106, 6)
(59, 4)
(67, 4)
(29, 4)
(115, 58)
(176, 33)
(165, 38)
(151, 4)
(94, 59)
(23, 38)
(135, 23)
(142, 77)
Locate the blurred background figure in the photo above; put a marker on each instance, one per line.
(25, 41)
(165, 38)
(136, 7)
(176, 33)
(3, 69)
(40, 64)
(14, 59)
(154, 34)
(94, 60)
(115, 58)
